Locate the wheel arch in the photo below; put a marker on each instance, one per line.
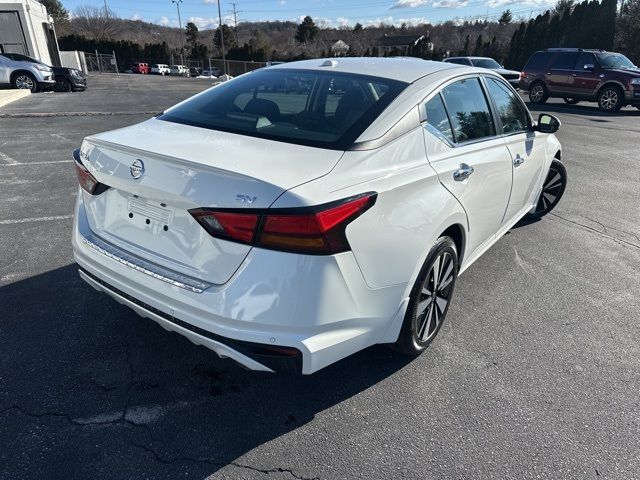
(610, 83)
(459, 237)
(18, 72)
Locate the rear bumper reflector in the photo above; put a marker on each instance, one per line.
(277, 358)
(144, 266)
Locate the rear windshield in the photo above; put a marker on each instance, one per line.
(323, 109)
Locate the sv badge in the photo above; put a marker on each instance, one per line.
(246, 199)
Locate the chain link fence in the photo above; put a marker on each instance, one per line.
(101, 62)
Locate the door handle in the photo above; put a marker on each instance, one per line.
(574, 75)
(548, 73)
(518, 160)
(463, 172)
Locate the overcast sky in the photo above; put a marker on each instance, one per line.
(328, 12)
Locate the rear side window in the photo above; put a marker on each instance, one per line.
(437, 118)
(564, 61)
(537, 61)
(468, 110)
(459, 61)
(323, 109)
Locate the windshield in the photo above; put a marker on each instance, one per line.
(486, 63)
(614, 60)
(323, 109)
(18, 57)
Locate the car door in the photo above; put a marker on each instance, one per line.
(4, 70)
(558, 75)
(471, 161)
(585, 78)
(526, 147)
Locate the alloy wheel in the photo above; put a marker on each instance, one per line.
(537, 93)
(25, 82)
(435, 296)
(609, 99)
(552, 190)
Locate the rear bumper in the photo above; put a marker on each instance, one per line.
(318, 306)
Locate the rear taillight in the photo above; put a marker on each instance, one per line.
(86, 180)
(313, 230)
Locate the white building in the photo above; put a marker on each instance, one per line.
(27, 28)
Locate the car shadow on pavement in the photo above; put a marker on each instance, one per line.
(92, 390)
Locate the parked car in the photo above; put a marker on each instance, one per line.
(34, 76)
(195, 71)
(324, 223)
(181, 70)
(212, 72)
(511, 76)
(140, 67)
(576, 74)
(160, 69)
(66, 79)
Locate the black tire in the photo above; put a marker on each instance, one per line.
(24, 80)
(610, 99)
(570, 101)
(428, 306)
(62, 84)
(538, 93)
(552, 190)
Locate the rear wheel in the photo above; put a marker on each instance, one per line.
(430, 298)
(25, 81)
(610, 99)
(570, 101)
(552, 190)
(538, 93)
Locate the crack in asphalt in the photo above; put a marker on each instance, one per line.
(73, 114)
(207, 461)
(606, 230)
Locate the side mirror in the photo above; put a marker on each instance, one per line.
(547, 123)
(589, 66)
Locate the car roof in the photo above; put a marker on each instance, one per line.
(405, 69)
(470, 58)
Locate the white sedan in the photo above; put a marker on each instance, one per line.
(300, 213)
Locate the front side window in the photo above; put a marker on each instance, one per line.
(468, 110)
(537, 61)
(564, 61)
(324, 109)
(513, 115)
(437, 117)
(584, 59)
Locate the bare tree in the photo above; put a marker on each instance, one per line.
(98, 23)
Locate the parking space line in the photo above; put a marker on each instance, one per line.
(7, 159)
(39, 219)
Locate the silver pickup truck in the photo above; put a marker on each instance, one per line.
(19, 74)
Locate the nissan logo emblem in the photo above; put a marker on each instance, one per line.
(137, 169)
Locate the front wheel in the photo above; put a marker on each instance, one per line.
(25, 81)
(610, 99)
(552, 190)
(570, 101)
(430, 298)
(62, 85)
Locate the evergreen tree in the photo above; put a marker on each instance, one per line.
(628, 32)
(191, 31)
(229, 37)
(505, 18)
(478, 49)
(357, 28)
(59, 14)
(307, 30)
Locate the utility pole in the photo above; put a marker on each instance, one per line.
(235, 21)
(178, 2)
(224, 62)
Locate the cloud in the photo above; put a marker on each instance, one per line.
(211, 22)
(282, 2)
(164, 21)
(209, 1)
(136, 16)
(408, 4)
(342, 21)
(504, 3)
(453, 3)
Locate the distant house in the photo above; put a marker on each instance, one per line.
(397, 44)
(339, 49)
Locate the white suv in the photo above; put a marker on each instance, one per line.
(27, 75)
(181, 70)
(160, 69)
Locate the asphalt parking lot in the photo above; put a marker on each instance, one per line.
(535, 375)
